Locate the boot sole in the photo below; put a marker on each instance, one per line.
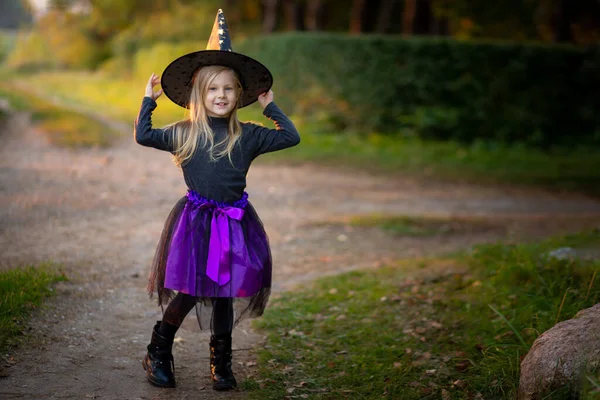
(223, 388)
(155, 383)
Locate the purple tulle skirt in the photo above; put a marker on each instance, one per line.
(213, 250)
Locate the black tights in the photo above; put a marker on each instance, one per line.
(182, 304)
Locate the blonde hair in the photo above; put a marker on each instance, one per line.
(194, 130)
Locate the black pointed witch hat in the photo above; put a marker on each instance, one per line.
(176, 80)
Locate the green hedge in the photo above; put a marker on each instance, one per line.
(436, 87)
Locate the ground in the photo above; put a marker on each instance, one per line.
(99, 212)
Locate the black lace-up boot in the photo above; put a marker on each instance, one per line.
(158, 362)
(220, 362)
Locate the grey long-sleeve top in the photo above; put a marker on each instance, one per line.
(220, 180)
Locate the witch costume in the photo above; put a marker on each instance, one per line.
(213, 253)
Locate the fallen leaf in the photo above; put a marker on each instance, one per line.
(435, 324)
(397, 364)
(459, 384)
(250, 364)
(333, 291)
(430, 371)
(462, 365)
(445, 395)
(290, 390)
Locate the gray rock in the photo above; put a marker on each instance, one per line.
(563, 253)
(562, 355)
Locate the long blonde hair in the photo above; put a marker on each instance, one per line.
(194, 130)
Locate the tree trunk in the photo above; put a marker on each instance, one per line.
(440, 26)
(270, 15)
(356, 16)
(561, 22)
(408, 18)
(384, 17)
(423, 24)
(313, 15)
(293, 12)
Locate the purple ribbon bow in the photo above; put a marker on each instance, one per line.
(219, 250)
(219, 247)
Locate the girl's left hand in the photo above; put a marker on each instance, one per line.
(153, 81)
(265, 98)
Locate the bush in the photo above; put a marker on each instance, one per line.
(57, 41)
(158, 57)
(437, 87)
(30, 52)
(7, 42)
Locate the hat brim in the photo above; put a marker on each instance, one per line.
(176, 80)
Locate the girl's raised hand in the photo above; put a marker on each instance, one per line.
(265, 98)
(153, 81)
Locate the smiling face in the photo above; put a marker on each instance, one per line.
(221, 95)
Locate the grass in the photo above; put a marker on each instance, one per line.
(61, 126)
(22, 291)
(425, 226)
(436, 328)
(488, 163)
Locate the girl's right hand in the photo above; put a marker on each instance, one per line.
(153, 81)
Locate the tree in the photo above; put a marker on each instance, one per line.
(384, 16)
(314, 11)
(293, 13)
(356, 16)
(561, 21)
(270, 15)
(408, 17)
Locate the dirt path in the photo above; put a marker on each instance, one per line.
(100, 213)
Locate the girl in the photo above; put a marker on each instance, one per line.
(213, 253)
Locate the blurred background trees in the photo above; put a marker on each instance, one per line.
(85, 33)
(511, 71)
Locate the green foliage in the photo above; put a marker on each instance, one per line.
(180, 24)
(481, 162)
(61, 126)
(7, 43)
(156, 58)
(21, 292)
(438, 88)
(425, 332)
(30, 52)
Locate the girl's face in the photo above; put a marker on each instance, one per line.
(221, 95)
